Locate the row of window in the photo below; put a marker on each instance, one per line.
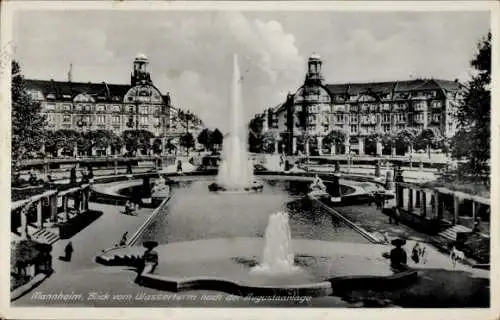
(356, 128)
(372, 119)
(142, 109)
(386, 96)
(373, 129)
(143, 93)
(101, 119)
(371, 107)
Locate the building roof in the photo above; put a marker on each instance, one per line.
(396, 86)
(315, 56)
(141, 56)
(60, 88)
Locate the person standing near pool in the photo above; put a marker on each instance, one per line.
(398, 255)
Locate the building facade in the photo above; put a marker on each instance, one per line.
(360, 111)
(139, 105)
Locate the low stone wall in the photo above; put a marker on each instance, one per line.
(206, 283)
(344, 285)
(338, 286)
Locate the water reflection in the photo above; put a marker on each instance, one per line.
(194, 213)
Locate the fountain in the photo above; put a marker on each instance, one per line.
(235, 170)
(278, 257)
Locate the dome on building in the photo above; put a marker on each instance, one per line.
(315, 56)
(141, 57)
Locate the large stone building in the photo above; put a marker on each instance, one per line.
(139, 105)
(359, 111)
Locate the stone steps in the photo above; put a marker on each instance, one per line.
(451, 233)
(45, 236)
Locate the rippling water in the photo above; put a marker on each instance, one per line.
(194, 213)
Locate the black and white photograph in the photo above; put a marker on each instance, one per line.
(225, 156)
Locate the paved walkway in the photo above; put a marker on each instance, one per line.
(103, 233)
(440, 283)
(374, 221)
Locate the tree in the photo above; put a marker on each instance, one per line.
(474, 114)
(187, 118)
(460, 145)
(204, 138)
(157, 146)
(334, 138)
(267, 142)
(101, 138)
(116, 143)
(406, 137)
(428, 138)
(389, 139)
(63, 139)
(187, 141)
(27, 122)
(216, 138)
(84, 144)
(169, 146)
(371, 143)
(254, 142)
(137, 139)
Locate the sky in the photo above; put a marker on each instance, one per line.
(191, 53)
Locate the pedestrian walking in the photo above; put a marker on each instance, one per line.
(396, 216)
(68, 251)
(415, 253)
(179, 166)
(123, 241)
(371, 199)
(378, 200)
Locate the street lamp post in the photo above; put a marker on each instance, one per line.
(187, 118)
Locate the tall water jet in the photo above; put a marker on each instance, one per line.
(235, 169)
(278, 257)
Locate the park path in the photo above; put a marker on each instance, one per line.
(375, 222)
(102, 234)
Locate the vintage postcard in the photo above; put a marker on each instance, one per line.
(291, 159)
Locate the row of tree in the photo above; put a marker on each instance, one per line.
(406, 138)
(210, 139)
(66, 140)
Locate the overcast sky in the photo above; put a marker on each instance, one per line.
(190, 52)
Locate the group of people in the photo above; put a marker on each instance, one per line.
(398, 256)
(378, 198)
(131, 208)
